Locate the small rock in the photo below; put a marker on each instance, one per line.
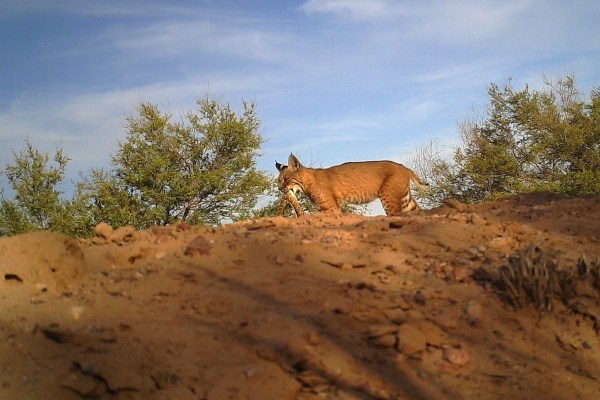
(394, 269)
(446, 320)
(376, 392)
(312, 338)
(458, 217)
(98, 240)
(386, 340)
(459, 273)
(250, 372)
(400, 359)
(433, 334)
(411, 340)
(320, 389)
(268, 353)
(458, 357)
(76, 311)
(198, 246)
(473, 251)
(182, 226)
(457, 205)
(380, 330)
(396, 315)
(103, 230)
(396, 224)
(312, 379)
(383, 278)
(122, 234)
(502, 243)
(474, 311)
(476, 219)
(420, 299)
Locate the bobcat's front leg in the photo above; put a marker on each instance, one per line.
(325, 201)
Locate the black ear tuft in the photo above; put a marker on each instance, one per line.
(280, 167)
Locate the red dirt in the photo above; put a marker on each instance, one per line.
(320, 306)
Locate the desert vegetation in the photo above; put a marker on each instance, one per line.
(202, 168)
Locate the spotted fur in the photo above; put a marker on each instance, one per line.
(352, 182)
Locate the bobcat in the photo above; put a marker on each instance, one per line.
(353, 182)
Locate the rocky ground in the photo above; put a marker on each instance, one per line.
(322, 306)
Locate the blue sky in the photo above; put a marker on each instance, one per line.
(333, 80)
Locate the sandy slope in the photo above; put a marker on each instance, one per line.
(316, 307)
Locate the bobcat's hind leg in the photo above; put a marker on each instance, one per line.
(392, 209)
(390, 197)
(408, 203)
(396, 198)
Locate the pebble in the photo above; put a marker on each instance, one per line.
(476, 219)
(312, 379)
(76, 311)
(198, 246)
(387, 340)
(457, 205)
(446, 320)
(474, 311)
(410, 340)
(459, 273)
(396, 315)
(432, 333)
(380, 330)
(313, 338)
(122, 234)
(458, 357)
(473, 251)
(182, 226)
(502, 243)
(458, 217)
(103, 230)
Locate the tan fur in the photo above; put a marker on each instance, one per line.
(352, 182)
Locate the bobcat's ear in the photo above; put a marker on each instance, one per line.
(280, 167)
(294, 163)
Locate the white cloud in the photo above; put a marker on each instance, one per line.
(355, 9)
(193, 37)
(350, 79)
(89, 125)
(470, 20)
(441, 21)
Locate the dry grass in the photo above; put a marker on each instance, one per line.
(534, 276)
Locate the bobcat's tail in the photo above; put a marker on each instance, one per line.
(417, 181)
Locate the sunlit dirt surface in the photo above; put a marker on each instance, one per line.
(316, 307)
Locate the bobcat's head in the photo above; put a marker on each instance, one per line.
(290, 177)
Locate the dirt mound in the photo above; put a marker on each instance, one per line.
(46, 260)
(322, 306)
